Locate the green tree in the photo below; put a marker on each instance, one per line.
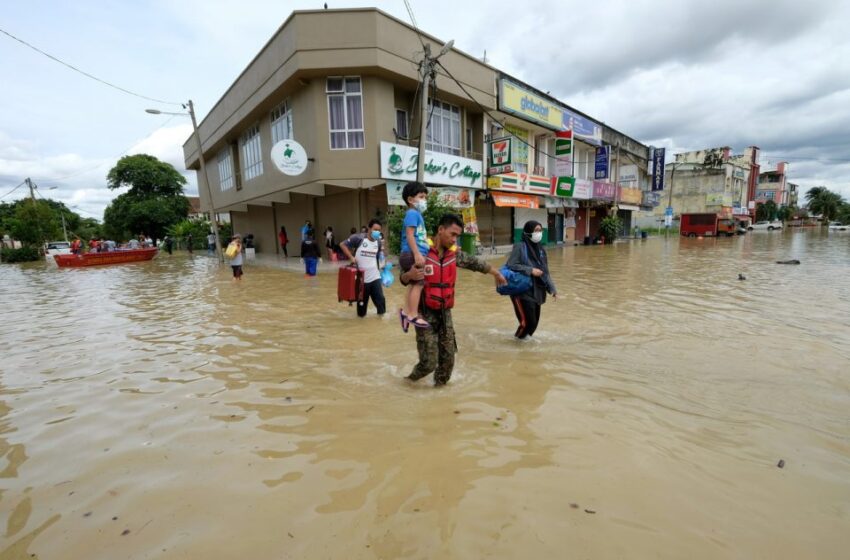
(199, 230)
(154, 202)
(824, 202)
(610, 227)
(767, 211)
(34, 222)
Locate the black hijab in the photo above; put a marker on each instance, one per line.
(535, 251)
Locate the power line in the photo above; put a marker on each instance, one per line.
(86, 74)
(13, 190)
(413, 21)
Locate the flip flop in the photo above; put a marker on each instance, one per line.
(405, 322)
(419, 323)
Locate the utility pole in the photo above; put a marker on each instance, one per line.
(427, 74)
(32, 189)
(191, 108)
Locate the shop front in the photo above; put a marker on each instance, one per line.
(525, 195)
(629, 203)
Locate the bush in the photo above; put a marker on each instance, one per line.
(610, 228)
(24, 254)
(395, 218)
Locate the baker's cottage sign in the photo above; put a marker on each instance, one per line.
(399, 163)
(289, 157)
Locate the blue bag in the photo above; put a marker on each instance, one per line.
(518, 283)
(387, 277)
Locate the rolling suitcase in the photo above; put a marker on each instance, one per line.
(350, 284)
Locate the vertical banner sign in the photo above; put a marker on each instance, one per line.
(500, 150)
(658, 169)
(602, 162)
(563, 181)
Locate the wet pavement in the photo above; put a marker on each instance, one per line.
(158, 410)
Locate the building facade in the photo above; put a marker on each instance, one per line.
(344, 86)
(773, 185)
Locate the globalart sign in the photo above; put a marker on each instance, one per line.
(522, 102)
(400, 162)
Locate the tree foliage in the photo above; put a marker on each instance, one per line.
(610, 228)
(74, 223)
(153, 203)
(767, 211)
(34, 222)
(825, 202)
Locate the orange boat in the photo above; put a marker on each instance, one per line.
(111, 257)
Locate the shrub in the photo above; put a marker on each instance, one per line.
(24, 254)
(610, 228)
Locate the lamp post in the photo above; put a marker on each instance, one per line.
(191, 112)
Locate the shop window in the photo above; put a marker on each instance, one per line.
(281, 123)
(345, 113)
(443, 133)
(252, 154)
(401, 123)
(225, 169)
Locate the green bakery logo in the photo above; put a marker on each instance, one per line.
(395, 166)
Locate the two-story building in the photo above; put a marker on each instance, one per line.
(323, 125)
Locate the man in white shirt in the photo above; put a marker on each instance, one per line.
(368, 256)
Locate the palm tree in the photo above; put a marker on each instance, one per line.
(824, 202)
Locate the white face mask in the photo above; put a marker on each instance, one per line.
(422, 205)
(537, 237)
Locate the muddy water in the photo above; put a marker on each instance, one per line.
(158, 410)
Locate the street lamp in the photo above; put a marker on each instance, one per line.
(191, 108)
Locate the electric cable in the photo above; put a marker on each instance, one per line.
(13, 190)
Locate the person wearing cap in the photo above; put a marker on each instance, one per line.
(236, 261)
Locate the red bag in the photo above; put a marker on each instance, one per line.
(350, 284)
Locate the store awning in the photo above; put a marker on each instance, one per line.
(629, 207)
(516, 200)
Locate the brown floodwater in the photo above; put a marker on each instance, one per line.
(158, 410)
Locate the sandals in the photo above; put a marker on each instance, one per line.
(418, 322)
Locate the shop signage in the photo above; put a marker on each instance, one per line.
(516, 200)
(520, 182)
(603, 191)
(564, 186)
(399, 163)
(658, 169)
(520, 101)
(628, 174)
(603, 154)
(651, 199)
(751, 205)
(583, 189)
(499, 151)
(630, 196)
(470, 221)
(289, 157)
(564, 153)
(718, 199)
(458, 197)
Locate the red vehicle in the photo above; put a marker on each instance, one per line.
(707, 225)
(111, 257)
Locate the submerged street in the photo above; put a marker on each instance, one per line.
(159, 410)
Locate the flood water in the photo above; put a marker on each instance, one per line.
(158, 410)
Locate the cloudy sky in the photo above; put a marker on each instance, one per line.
(675, 73)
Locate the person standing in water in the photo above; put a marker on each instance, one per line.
(310, 253)
(367, 254)
(236, 260)
(529, 257)
(283, 240)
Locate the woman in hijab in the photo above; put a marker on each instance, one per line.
(529, 257)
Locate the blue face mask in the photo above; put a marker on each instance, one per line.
(376, 234)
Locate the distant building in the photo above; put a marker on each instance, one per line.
(793, 194)
(195, 212)
(773, 185)
(705, 181)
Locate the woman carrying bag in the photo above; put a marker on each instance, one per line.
(528, 257)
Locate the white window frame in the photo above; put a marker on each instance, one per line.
(251, 153)
(444, 113)
(281, 123)
(345, 95)
(401, 116)
(226, 178)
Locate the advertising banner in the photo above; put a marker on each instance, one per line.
(520, 182)
(583, 189)
(470, 221)
(400, 162)
(516, 200)
(630, 196)
(658, 169)
(603, 191)
(628, 174)
(603, 156)
(455, 196)
(651, 199)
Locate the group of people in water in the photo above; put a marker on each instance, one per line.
(101, 245)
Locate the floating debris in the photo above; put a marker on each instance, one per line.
(309, 409)
(781, 464)
(789, 261)
(741, 276)
(589, 511)
(574, 506)
(125, 532)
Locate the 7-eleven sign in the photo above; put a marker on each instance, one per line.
(500, 155)
(563, 182)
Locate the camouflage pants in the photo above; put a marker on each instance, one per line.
(437, 347)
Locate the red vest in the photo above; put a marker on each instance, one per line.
(440, 276)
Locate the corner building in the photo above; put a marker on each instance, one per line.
(343, 84)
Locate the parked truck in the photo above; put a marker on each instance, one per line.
(709, 225)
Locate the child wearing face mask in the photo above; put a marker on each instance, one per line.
(529, 257)
(414, 247)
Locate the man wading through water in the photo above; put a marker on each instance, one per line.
(437, 346)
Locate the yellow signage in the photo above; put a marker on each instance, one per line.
(630, 196)
(513, 99)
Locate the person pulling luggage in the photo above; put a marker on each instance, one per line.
(368, 256)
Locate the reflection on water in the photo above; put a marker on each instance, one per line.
(159, 410)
